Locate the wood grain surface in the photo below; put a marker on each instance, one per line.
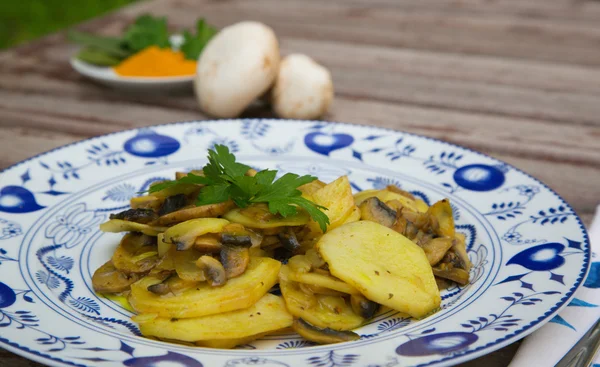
(516, 79)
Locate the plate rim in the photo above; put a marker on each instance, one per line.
(78, 66)
(470, 354)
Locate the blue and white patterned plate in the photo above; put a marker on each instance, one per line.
(529, 249)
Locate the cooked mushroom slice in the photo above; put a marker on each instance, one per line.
(460, 249)
(172, 203)
(235, 260)
(281, 254)
(397, 190)
(322, 336)
(172, 284)
(363, 307)
(443, 283)
(436, 248)
(458, 275)
(213, 270)
(143, 216)
(208, 243)
(203, 211)
(375, 210)
(289, 241)
(136, 253)
(107, 279)
(236, 240)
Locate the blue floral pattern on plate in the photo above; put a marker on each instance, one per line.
(529, 249)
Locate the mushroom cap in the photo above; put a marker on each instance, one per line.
(303, 88)
(237, 66)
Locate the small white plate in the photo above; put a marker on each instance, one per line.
(107, 76)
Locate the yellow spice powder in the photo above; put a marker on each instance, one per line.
(155, 61)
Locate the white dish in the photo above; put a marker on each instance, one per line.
(529, 249)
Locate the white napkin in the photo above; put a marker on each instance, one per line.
(547, 345)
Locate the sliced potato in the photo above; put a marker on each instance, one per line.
(237, 293)
(185, 265)
(442, 212)
(136, 253)
(203, 211)
(267, 314)
(337, 198)
(309, 188)
(118, 225)
(325, 281)
(385, 196)
(257, 216)
(383, 265)
(319, 310)
(183, 235)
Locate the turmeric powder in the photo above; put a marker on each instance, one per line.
(154, 61)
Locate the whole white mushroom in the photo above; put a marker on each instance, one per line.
(303, 89)
(236, 67)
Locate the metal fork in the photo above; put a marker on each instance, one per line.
(582, 354)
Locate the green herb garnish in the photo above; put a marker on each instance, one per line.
(145, 31)
(194, 44)
(225, 178)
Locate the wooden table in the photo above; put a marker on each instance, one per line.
(516, 79)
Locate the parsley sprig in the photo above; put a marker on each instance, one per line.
(225, 178)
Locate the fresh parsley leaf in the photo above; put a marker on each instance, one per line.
(189, 179)
(285, 186)
(147, 31)
(225, 179)
(194, 44)
(213, 194)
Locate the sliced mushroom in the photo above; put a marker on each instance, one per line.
(213, 270)
(289, 241)
(172, 284)
(375, 210)
(208, 243)
(436, 248)
(235, 260)
(458, 275)
(419, 220)
(172, 203)
(136, 253)
(460, 249)
(108, 279)
(363, 307)
(236, 240)
(322, 336)
(203, 211)
(397, 190)
(442, 283)
(139, 215)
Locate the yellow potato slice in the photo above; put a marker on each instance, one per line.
(319, 310)
(267, 314)
(237, 293)
(385, 196)
(383, 265)
(323, 281)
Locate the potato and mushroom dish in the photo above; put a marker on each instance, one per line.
(202, 252)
